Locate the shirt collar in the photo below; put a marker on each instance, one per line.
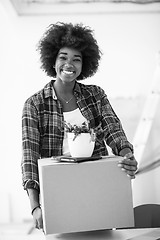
(81, 89)
(77, 88)
(49, 90)
(54, 94)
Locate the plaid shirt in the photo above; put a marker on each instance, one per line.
(43, 130)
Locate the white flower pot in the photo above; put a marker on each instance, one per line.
(81, 146)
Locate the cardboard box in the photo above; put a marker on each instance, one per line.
(84, 196)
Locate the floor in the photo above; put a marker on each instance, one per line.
(20, 231)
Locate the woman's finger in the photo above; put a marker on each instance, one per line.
(127, 167)
(129, 173)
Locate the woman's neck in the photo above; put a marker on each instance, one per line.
(62, 87)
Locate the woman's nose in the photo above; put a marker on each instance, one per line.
(68, 63)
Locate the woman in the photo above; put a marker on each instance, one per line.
(69, 53)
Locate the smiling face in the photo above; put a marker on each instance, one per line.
(68, 64)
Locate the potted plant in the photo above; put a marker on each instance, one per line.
(81, 139)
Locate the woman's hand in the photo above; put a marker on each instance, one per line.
(129, 165)
(37, 218)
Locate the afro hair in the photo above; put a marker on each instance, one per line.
(76, 36)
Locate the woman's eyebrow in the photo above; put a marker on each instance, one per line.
(62, 53)
(76, 55)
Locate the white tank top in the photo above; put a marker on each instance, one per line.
(72, 117)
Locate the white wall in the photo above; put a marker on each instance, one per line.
(129, 42)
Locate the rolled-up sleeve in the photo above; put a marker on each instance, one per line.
(114, 134)
(30, 146)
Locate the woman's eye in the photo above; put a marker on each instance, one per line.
(62, 58)
(77, 60)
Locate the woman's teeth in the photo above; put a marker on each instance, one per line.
(67, 72)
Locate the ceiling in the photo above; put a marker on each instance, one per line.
(36, 7)
(46, 7)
